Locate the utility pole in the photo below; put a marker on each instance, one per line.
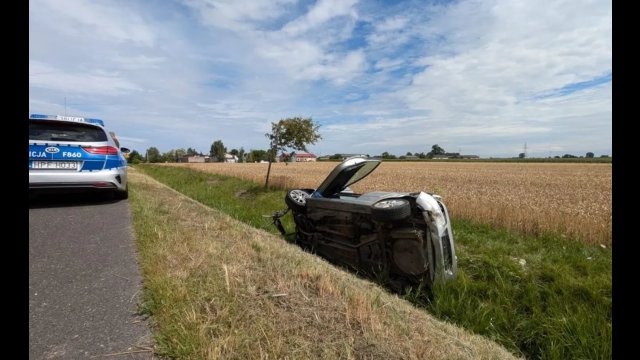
(525, 149)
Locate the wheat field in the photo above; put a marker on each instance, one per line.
(573, 200)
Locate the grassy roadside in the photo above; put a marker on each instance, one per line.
(542, 297)
(218, 288)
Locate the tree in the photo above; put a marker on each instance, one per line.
(386, 155)
(435, 150)
(295, 133)
(153, 155)
(568, 156)
(521, 155)
(241, 155)
(134, 157)
(218, 151)
(191, 152)
(590, 155)
(409, 153)
(257, 155)
(169, 156)
(234, 152)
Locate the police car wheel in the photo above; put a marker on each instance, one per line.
(121, 195)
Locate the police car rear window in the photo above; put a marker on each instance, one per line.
(62, 131)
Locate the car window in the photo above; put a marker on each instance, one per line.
(62, 131)
(368, 167)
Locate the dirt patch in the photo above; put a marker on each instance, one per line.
(243, 194)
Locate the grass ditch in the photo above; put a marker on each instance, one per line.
(218, 288)
(542, 297)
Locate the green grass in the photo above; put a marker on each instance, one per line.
(542, 297)
(216, 288)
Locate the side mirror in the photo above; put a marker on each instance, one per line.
(125, 150)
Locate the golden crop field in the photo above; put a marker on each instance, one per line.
(571, 199)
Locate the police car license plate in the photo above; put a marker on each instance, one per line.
(56, 165)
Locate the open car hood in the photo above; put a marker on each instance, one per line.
(346, 173)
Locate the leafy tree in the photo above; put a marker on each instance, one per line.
(169, 156)
(294, 133)
(191, 152)
(568, 156)
(335, 157)
(604, 156)
(134, 157)
(257, 155)
(218, 151)
(409, 153)
(435, 150)
(234, 152)
(153, 155)
(386, 155)
(521, 155)
(421, 155)
(590, 155)
(241, 155)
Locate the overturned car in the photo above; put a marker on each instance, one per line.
(405, 237)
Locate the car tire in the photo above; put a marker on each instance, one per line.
(390, 210)
(122, 195)
(296, 199)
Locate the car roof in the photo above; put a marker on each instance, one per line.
(85, 120)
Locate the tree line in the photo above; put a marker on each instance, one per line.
(153, 155)
(290, 133)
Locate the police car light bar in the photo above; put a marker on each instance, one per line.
(67, 118)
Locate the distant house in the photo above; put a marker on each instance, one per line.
(299, 156)
(454, 156)
(194, 159)
(228, 158)
(284, 157)
(346, 156)
(302, 156)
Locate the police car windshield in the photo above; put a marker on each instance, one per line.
(63, 131)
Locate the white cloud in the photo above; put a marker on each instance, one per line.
(98, 82)
(469, 74)
(238, 15)
(320, 13)
(99, 18)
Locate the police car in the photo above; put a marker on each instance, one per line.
(69, 153)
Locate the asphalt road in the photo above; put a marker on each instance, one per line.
(84, 281)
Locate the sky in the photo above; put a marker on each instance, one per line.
(475, 77)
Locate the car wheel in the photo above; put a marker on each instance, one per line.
(390, 210)
(297, 199)
(121, 195)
